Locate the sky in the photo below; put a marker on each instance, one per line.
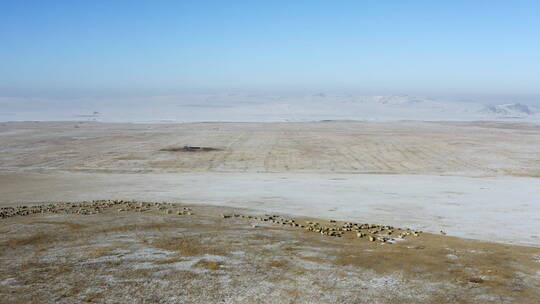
(131, 48)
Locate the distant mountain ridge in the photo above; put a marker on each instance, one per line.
(509, 110)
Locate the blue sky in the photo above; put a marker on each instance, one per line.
(78, 48)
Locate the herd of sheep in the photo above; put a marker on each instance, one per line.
(371, 232)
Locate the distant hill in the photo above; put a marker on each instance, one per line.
(509, 110)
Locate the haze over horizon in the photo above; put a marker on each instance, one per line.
(100, 49)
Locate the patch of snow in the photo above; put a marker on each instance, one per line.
(140, 254)
(8, 282)
(452, 256)
(383, 282)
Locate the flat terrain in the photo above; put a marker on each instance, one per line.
(464, 149)
(472, 187)
(475, 180)
(128, 254)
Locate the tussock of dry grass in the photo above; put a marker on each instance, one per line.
(62, 223)
(277, 264)
(313, 259)
(43, 272)
(187, 245)
(137, 227)
(212, 265)
(35, 239)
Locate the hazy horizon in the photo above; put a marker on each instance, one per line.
(481, 51)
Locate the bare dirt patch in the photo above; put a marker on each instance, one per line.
(187, 245)
(189, 149)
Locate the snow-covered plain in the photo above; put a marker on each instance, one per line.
(499, 209)
(260, 108)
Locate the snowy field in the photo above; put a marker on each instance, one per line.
(263, 108)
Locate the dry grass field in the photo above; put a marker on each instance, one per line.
(447, 148)
(150, 256)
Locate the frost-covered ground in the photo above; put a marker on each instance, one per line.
(152, 256)
(501, 209)
(261, 108)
